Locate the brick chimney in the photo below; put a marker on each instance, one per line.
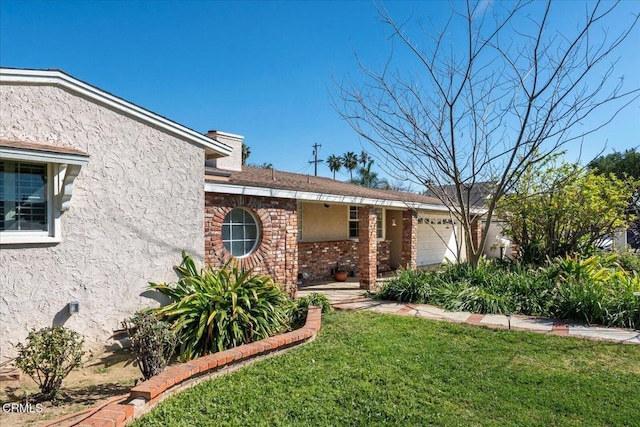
(234, 161)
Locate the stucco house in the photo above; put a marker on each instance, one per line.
(99, 196)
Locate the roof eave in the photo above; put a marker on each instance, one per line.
(246, 190)
(43, 156)
(61, 79)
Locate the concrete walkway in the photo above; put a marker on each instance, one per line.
(348, 296)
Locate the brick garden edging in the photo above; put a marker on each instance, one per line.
(176, 378)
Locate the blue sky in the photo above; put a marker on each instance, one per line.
(264, 70)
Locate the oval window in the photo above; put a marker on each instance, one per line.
(240, 232)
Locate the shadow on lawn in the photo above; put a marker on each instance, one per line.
(87, 395)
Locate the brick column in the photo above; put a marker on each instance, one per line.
(367, 247)
(291, 253)
(409, 239)
(476, 233)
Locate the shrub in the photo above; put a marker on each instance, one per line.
(591, 290)
(629, 261)
(479, 300)
(152, 341)
(301, 306)
(48, 357)
(596, 290)
(407, 286)
(531, 292)
(216, 309)
(624, 310)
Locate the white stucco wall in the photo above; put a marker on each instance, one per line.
(137, 204)
(494, 237)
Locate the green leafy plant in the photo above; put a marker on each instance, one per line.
(216, 309)
(596, 290)
(629, 261)
(480, 300)
(593, 290)
(152, 341)
(301, 306)
(559, 210)
(48, 356)
(407, 286)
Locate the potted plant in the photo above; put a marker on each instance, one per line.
(340, 275)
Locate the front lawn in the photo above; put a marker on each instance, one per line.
(372, 369)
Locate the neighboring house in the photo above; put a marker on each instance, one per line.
(99, 196)
(476, 195)
(497, 245)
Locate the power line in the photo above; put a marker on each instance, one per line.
(315, 157)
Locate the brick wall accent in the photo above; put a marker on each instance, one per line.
(317, 259)
(409, 239)
(383, 258)
(367, 247)
(476, 233)
(277, 251)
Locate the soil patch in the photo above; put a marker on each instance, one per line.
(102, 377)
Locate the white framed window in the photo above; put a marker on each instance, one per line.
(240, 232)
(354, 223)
(23, 196)
(35, 187)
(28, 193)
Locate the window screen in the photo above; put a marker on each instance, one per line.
(23, 196)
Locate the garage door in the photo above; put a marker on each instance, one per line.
(436, 240)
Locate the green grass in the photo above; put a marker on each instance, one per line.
(368, 369)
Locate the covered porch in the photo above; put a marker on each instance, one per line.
(366, 241)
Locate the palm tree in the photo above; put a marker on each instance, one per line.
(246, 152)
(350, 162)
(364, 157)
(335, 164)
(368, 178)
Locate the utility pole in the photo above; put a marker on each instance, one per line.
(315, 160)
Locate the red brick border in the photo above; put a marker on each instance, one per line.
(475, 319)
(560, 329)
(176, 378)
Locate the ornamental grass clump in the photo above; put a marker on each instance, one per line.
(215, 309)
(48, 357)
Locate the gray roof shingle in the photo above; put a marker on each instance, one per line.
(268, 178)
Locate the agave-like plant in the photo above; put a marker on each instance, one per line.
(219, 308)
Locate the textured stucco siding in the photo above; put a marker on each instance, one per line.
(136, 205)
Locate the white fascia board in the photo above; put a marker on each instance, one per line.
(58, 78)
(210, 187)
(229, 135)
(42, 156)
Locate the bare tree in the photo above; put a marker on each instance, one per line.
(515, 93)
